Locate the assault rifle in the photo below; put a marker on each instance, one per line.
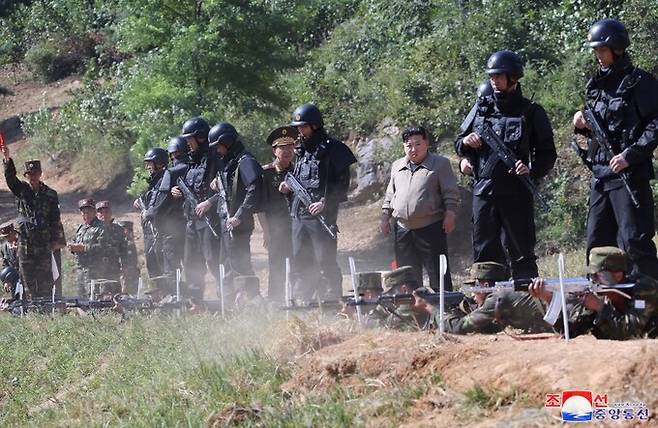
(192, 200)
(600, 137)
(451, 299)
(509, 158)
(302, 196)
(577, 285)
(316, 304)
(224, 212)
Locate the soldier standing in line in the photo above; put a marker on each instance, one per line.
(9, 249)
(239, 183)
(115, 248)
(625, 99)
(178, 151)
(275, 217)
(323, 168)
(39, 226)
(490, 313)
(131, 270)
(88, 247)
(201, 245)
(503, 209)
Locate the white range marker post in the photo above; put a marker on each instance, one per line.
(52, 298)
(178, 291)
(139, 287)
(93, 290)
(221, 288)
(565, 316)
(357, 295)
(443, 269)
(288, 290)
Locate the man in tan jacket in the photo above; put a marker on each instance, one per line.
(422, 198)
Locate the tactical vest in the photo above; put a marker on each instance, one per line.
(311, 169)
(511, 129)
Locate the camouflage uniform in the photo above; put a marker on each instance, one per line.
(371, 281)
(39, 226)
(403, 317)
(129, 264)
(91, 263)
(499, 310)
(8, 250)
(634, 318)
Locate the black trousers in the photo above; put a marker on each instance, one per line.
(613, 220)
(201, 252)
(420, 248)
(279, 249)
(237, 254)
(309, 237)
(504, 227)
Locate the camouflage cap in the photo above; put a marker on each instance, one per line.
(103, 204)
(283, 136)
(607, 258)
(369, 281)
(404, 275)
(6, 228)
(86, 203)
(248, 283)
(490, 271)
(33, 165)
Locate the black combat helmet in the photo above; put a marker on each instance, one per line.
(177, 144)
(157, 155)
(307, 114)
(9, 274)
(608, 32)
(507, 62)
(485, 89)
(223, 133)
(196, 127)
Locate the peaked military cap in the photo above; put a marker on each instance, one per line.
(404, 275)
(86, 203)
(248, 283)
(103, 204)
(607, 258)
(6, 228)
(33, 165)
(283, 136)
(489, 271)
(369, 281)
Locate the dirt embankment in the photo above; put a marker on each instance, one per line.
(478, 380)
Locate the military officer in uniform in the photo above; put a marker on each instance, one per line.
(9, 249)
(39, 225)
(490, 313)
(625, 99)
(201, 244)
(131, 268)
(88, 247)
(115, 247)
(322, 167)
(610, 315)
(239, 184)
(503, 209)
(275, 217)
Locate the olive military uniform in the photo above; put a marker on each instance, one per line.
(8, 250)
(129, 263)
(39, 226)
(91, 263)
(403, 316)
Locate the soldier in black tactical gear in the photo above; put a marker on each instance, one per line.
(625, 100)
(178, 150)
(483, 90)
(503, 209)
(239, 185)
(322, 167)
(201, 245)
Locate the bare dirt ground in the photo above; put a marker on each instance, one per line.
(513, 376)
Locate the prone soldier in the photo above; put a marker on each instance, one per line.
(39, 226)
(489, 313)
(275, 217)
(613, 316)
(247, 292)
(9, 249)
(322, 168)
(503, 207)
(624, 100)
(239, 184)
(403, 280)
